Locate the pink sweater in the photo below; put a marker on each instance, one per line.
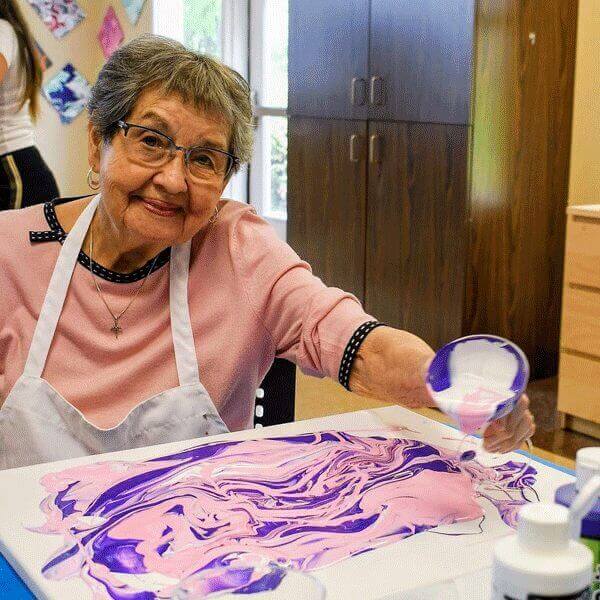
(251, 299)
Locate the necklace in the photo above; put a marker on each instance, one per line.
(116, 328)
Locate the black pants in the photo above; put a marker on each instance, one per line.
(25, 179)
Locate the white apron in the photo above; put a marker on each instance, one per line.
(38, 425)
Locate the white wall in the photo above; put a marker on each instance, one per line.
(584, 185)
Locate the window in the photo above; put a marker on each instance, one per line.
(268, 79)
(215, 27)
(202, 22)
(252, 37)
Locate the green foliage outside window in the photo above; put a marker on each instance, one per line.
(202, 32)
(279, 165)
(202, 26)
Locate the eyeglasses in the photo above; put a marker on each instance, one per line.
(151, 148)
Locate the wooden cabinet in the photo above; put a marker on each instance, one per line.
(581, 319)
(421, 58)
(328, 58)
(578, 390)
(582, 253)
(327, 198)
(519, 173)
(416, 227)
(395, 60)
(444, 207)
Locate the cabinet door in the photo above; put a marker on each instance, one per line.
(421, 60)
(520, 173)
(326, 198)
(328, 58)
(416, 227)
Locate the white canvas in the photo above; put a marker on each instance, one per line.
(387, 572)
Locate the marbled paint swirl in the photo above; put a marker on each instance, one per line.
(233, 515)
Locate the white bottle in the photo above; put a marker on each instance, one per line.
(540, 561)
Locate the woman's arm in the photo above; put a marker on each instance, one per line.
(391, 365)
(311, 324)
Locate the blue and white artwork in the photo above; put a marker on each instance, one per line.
(68, 92)
(133, 8)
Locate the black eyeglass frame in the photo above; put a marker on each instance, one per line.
(233, 159)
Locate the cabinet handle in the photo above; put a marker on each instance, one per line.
(377, 91)
(375, 153)
(358, 91)
(354, 148)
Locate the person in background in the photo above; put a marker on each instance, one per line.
(25, 179)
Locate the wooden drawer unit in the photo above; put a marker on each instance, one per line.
(579, 387)
(582, 252)
(579, 374)
(581, 320)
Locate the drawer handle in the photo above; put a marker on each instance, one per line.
(355, 148)
(375, 151)
(377, 91)
(358, 91)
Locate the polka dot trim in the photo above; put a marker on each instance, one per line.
(58, 234)
(50, 215)
(44, 236)
(352, 349)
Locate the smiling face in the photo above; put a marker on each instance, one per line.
(159, 207)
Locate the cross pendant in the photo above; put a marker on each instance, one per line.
(116, 329)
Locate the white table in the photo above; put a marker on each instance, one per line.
(385, 573)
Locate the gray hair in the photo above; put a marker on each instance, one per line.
(152, 61)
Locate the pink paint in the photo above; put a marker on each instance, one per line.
(232, 515)
(477, 408)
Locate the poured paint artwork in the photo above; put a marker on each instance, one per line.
(59, 16)
(68, 92)
(235, 516)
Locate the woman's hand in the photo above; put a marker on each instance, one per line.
(509, 432)
(391, 365)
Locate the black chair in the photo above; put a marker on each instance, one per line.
(275, 398)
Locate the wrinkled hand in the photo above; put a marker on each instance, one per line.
(392, 364)
(509, 432)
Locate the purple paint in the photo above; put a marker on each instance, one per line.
(236, 515)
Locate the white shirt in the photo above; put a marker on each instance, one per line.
(16, 127)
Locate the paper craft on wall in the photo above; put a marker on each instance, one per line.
(111, 34)
(59, 16)
(237, 515)
(68, 92)
(133, 8)
(45, 62)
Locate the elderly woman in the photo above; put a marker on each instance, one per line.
(158, 315)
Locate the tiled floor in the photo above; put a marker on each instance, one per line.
(322, 397)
